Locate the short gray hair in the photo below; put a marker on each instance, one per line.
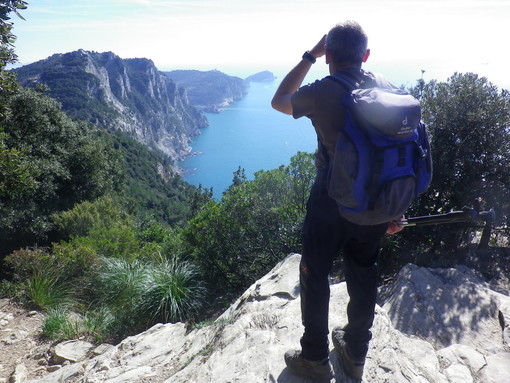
(347, 43)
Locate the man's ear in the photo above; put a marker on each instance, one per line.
(328, 57)
(365, 57)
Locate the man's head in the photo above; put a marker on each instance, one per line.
(346, 44)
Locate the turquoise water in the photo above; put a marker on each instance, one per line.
(250, 134)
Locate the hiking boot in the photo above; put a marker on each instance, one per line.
(353, 367)
(319, 370)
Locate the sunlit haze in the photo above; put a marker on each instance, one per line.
(241, 36)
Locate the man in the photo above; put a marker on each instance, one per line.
(325, 231)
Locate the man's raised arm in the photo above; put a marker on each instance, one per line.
(293, 80)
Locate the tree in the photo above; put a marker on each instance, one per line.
(468, 119)
(6, 7)
(8, 83)
(14, 174)
(68, 164)
(256, 224)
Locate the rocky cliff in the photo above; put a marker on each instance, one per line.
(130, 95)
(432, 325)
(210, 90)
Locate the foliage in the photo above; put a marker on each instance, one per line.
(153, 189)
(62, 324)
(6, 7)
(101, 213)
(255, 224)
(46, 290)
(62, 161)
(42, 277)
(117, 242)
(172, 290)
(106, 296)
(138, 293)
(55, 163)
(8, 83)
(56, 324)
(16, 176)
(103, 228)
(468, 119)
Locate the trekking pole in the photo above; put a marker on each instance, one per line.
(464, 215)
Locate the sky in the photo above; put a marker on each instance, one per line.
(241, 37)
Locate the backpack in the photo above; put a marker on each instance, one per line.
(382, 158)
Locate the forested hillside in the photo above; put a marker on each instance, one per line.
(127, 95)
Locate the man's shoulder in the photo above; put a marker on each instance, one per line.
(319, 83)
(364, 79)
(321, 86)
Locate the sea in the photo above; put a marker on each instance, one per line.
(251, 135)
(247, 134)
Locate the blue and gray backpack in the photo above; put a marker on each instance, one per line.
(382, 158)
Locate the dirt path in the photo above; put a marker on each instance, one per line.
(21, 348)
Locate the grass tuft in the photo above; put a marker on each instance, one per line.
(46, 291)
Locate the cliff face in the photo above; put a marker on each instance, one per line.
(130, 95)
(209, 91)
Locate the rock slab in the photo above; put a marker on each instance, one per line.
(247, 342)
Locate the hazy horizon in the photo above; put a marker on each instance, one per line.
(440, 36)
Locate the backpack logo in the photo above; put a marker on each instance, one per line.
(382, 157)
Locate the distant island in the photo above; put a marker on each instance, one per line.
(264, 76)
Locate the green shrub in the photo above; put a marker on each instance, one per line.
(172, 290)
(56, 323)
(138, 294)
(97, 324)
(256, 224)
(82, 218)
(8, 289)
(117, 242)
(45, 291)
(62, 324)
(27, 262)
(41, 275)
(120, 283)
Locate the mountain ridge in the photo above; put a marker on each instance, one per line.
(130, 95)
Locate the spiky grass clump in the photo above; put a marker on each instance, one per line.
(46, 291)
(97, 324)
(139, 294)
(172, 292)
(62, 324)
(59, 324)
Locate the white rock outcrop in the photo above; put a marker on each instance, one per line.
(247, 343)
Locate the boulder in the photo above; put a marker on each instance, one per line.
(71, 350)
(445, 307)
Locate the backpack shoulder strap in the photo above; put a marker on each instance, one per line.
(347, 80)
